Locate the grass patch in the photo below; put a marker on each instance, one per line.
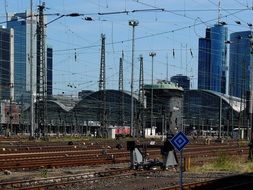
(242, 143)
(226, 163)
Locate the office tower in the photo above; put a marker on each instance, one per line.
(49, 71)
(212, 63)
(182, 81)
(239, 63)
(204, 61)
(20, 23)
(6, 63)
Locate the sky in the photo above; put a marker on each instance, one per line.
(165, 26)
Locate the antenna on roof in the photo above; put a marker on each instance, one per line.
(219, 12)
(5, 7)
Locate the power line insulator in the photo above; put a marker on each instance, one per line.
(88, 18)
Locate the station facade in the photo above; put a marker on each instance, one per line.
(194, 111)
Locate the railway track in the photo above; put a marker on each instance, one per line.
(83, 179)
(57, 156)
(63, 181)
(90, 159)
(53, 155)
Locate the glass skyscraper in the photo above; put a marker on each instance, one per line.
(239, 63)
(212, 62)
(49, 71)
(6, 64)
(204, 61)
(20, 22)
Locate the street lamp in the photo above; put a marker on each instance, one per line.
(152, 54)
(250, 99)
(132, 23)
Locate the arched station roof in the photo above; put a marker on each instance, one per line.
(234, 102)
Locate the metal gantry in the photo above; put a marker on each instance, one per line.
(102, 83)
(141, 98)
(41, 72)
(121, 89)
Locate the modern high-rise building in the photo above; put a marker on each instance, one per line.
(181, 80)
(49, 71)
(240, 58)
(212, 63)
(21, 23)
(204, 61)
(6, 64)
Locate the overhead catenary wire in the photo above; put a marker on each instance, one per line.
(151, 35)
(175, 48)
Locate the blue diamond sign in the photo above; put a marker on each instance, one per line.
(179, 141)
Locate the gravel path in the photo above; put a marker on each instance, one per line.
(139, 181)
(149, 181)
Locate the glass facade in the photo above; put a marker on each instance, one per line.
(4, 64)
(21, 27)
(218, 38)
(202, 108)
(239, 63)
(49, 71)
(204, 62)
(212, 63)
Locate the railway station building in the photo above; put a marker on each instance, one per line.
(85, 116)
(198, 112)
(167, 106)
(206, 112)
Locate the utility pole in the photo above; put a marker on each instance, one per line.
(32, 122)
(11, 89)
(167, 69)
(132, 23)
(10, 114)
(42, 86)
(102, 83)
(220, 118)
(141, 97)
(121, 90)
(250, 99)
(152, 54)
